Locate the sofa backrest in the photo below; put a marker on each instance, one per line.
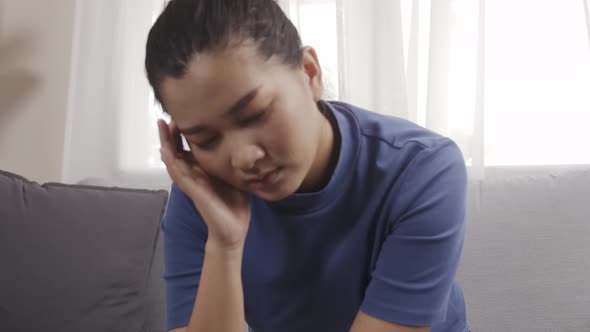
(79, 258)
(526, 260)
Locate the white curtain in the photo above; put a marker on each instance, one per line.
(393, 58)
(110, 133)
(508, 80)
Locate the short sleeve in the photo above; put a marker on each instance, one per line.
(185, 234)
(418, 260)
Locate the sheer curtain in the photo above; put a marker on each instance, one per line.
(508, 80)
(111, 136)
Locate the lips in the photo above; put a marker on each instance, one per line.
(262, 177)
(265, 179)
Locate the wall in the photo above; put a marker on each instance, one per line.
(35, 55)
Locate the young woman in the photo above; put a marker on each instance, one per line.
(291, 212)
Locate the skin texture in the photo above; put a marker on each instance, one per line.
(244, 116)
(280, 127)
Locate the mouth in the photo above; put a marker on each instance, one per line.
(264, 180)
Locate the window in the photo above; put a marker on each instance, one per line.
(316, 21)
(537, 104)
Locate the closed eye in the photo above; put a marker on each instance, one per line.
(258, 118)
(208, 143)
(253, 119)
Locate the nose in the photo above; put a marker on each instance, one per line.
(246, 157)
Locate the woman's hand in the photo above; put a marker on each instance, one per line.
(225, 210)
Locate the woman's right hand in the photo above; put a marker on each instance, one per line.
(225, 209)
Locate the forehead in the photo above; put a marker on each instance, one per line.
(213, 81)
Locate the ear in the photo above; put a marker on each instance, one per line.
(313, 72)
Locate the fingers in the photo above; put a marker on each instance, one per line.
(176, 138)
(165, 150)
(162, 131)
(177, 161)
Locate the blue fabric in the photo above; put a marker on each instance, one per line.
(384, 236)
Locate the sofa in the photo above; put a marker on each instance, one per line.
(80, 258)
(526, 258)
(88, 257)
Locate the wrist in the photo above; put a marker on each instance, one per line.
(225, 250)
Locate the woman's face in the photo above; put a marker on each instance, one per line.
(251, 123)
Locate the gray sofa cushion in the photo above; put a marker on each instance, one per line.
(156, 294)
(76, 258)
(526, 264)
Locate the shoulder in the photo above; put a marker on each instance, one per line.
(181, 214)
(391, 130)
(179, 203)
(400, 147)
(439, 164)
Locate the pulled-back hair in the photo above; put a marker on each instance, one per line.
(189, 27)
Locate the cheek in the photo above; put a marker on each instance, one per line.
(209, 163)
(288, 137)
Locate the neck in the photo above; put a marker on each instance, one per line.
(326, 156)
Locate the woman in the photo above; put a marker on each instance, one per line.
(290, 212)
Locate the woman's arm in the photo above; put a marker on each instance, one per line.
(219, 302)
(219, 305)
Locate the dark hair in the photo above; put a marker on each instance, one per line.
(187, 27)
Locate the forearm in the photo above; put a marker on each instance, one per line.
(219, 305)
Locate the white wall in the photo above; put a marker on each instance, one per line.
(35, 55)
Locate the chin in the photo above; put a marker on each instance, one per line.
(270, 197)
(275, 195)
(281, 191)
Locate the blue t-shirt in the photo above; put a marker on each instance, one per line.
(384, 236)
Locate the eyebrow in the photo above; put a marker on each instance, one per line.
(236, 108)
